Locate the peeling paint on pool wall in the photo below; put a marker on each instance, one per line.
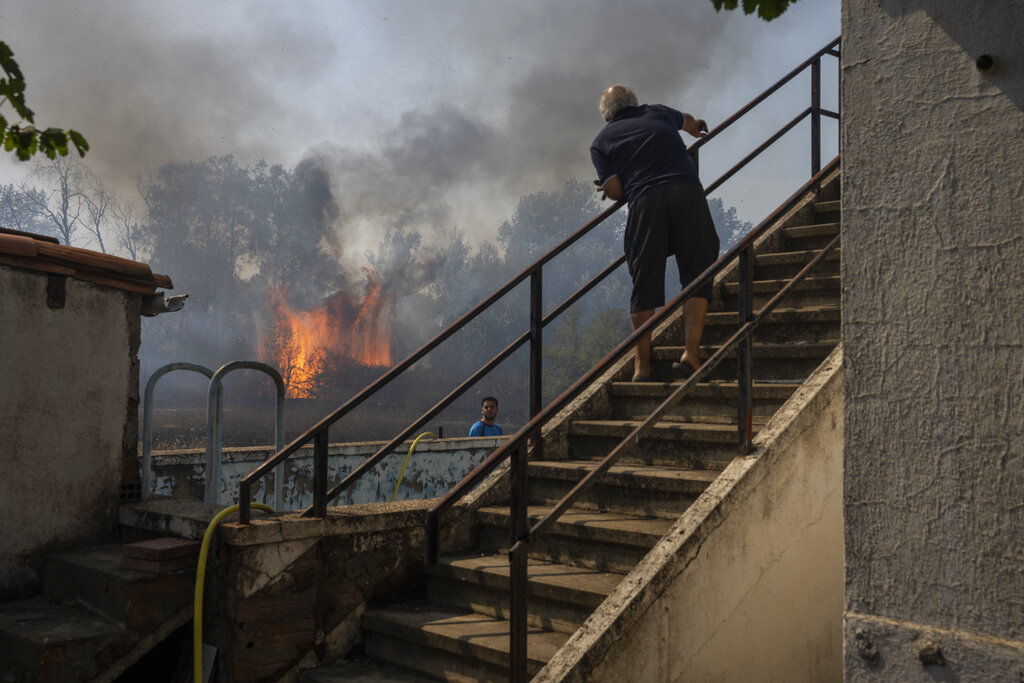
(433, 468)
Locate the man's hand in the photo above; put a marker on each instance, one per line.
(611, 189)
(698, 128)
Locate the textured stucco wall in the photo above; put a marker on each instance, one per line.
(933, 336)
(68, 384)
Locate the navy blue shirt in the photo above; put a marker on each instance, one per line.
(641, 145)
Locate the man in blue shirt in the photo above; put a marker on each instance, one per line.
(639, 156)
(485, 425)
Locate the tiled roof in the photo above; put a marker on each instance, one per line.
(41, 253)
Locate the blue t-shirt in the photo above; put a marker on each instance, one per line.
(642, 146)
(480, 429)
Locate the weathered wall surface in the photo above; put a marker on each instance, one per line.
(69, 380)
(933, 316)
(434, 467)
(748, 584)
(287, 593)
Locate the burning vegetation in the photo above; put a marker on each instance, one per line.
(308, 346)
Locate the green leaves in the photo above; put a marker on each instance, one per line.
(766, 9)
(26, 140)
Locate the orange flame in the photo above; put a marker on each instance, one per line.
(307, 344)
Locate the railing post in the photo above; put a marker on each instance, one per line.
(816, 116)
(320, 473)
(518, 579)
(744, 352)
(695, 155)
(536, 353)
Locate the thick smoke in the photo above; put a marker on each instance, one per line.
(427, 116)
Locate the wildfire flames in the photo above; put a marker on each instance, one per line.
(306, 345)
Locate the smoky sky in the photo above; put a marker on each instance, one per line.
(416, 115)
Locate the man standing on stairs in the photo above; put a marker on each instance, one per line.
(639, 156)
(485, 425)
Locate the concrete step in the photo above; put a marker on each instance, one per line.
(94, 577)
(606, 541)
(829, 207)
(561, 597)
(786, 264)
(449, 644)
(46, 642)
(709, 400)
(811, 236)
(635, 489)
(784, 325)
(815, 290)
(706, 443)
(793, 361)
(360, 670)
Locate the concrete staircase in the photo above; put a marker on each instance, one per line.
(458, 631)
(93, 620)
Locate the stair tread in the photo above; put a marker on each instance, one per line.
(458, 631)
(547, 579)
(780, 314)
(359, 671)
(812, 230)
(617, 426)
(762, 389)
(772, 284)
(795, 256)
(45, 623)
(765, 349)
(678, 474)
(616, 527)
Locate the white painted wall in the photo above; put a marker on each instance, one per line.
(933, 336)
(434, 467)
(67, 383)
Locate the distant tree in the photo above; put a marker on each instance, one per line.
(766, 9)
(22, 137)
(17, 209)
(728, 225)
(63, 208)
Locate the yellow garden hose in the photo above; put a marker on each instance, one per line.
(197, 605)
(411, 449)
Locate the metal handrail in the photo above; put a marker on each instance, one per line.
(147, 418)
(319, 432)
(214, 424)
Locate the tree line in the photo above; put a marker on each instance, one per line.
(228, 234)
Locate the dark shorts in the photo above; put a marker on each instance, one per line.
(668, 219)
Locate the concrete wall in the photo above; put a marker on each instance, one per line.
(933, 337)
(70, 391)
(748, 584)
(435, 466)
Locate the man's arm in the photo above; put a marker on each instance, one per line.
(477, 429)
(698, 128)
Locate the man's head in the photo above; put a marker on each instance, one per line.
(488, 409)
(615, 98)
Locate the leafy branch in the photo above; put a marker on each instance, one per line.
(22, 137)
(766, 9)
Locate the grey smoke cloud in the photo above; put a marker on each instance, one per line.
(424, 115)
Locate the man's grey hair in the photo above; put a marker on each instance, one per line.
(615, 98)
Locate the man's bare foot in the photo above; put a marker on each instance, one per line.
(688, 363)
